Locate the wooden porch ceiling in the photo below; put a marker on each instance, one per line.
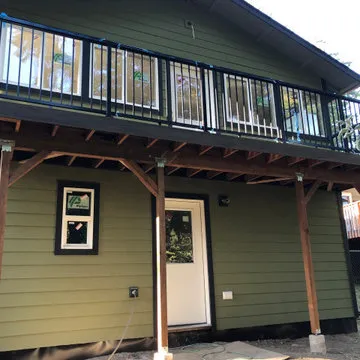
(81, 147)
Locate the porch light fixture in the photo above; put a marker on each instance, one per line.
(224, 200)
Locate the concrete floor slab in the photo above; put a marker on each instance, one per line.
(226, 351)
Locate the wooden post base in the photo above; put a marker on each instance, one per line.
(317, 344)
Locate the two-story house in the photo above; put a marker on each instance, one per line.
(172, 168)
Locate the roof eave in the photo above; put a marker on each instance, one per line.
(302, 42)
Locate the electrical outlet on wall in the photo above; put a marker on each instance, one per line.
(133, 292)
(227, 295)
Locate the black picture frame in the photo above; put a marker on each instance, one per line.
(61, 184)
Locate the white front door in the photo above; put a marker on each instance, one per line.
(187, 273)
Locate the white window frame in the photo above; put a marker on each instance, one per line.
(5, 40)
(256, 125)
(209, 88)
(124, 99)
(76, 218)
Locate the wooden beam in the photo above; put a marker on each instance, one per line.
(145, 179)
(213, 174)
(5, 160)
(231, 176)
(178, 146)
(52, 155)
(251, 178)
(242, 166)
(313, 163)
(151, 143)
(89, 135)
(330, 186)
(17, 126)
(161, 288)
(352, 167)
(229, 152)
(307, 259)
(148, 168)
(99, 163)
(122, 139)
(204, 149)
(266, 181)
(32, 163)
(287, 182)
(192, 172)
(312, 191)
(294, 160)
(74, 145)
(83, 120)
(253, 154)
(334, 165)
(274, 157)
(55, 130)
(72, 159)
(17, 122)
(172, 170)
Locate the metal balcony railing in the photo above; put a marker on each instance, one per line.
(48, 66)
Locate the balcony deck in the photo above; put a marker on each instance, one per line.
(51, 67)
(52, 78)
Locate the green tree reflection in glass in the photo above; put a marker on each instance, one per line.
(179, 247)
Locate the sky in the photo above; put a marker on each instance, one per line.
(331, 25)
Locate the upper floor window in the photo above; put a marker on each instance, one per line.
(40, 60)
(250, 105)
(134, 77)
(187, 95)
(302, 111)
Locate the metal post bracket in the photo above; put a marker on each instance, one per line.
(7, 145)
(160, 162)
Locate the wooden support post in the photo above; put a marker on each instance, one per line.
(307, 258)
(162, 322)
(5, 159)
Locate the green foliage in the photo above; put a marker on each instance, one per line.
(348, 131)
(179, 248)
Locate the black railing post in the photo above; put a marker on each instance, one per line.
(203, 90)
(85, 68)
(108, 82)
(326, 118)
(169, 93)
(279, 113)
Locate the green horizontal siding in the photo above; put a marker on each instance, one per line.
(48, 300)
(257, 254)
(43, 297)
(140, 23)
